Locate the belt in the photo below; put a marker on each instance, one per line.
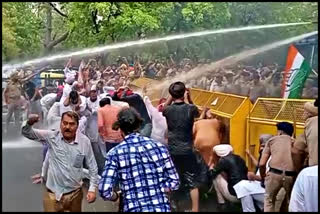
(49, 190)
(63, 193)
(280, 172)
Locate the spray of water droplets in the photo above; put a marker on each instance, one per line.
(230, 60)
(7, 69)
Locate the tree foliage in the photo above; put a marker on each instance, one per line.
(100, 23)
(20, 29)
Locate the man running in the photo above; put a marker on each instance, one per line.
(142, 167)
(68, 151)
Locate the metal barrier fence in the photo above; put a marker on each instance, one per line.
(246, 122)
(153, 95)
(233, 110)
(266, 113)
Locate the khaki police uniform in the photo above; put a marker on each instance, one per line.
(282, 171)
(308, 141)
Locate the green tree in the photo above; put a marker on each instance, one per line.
(20, 29)
(31, 29)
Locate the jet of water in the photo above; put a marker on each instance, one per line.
(21, 143)
(230, 60)
(8, 67)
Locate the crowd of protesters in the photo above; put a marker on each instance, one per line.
(140, 155)
(23, 90)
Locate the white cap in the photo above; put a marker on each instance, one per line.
(93, 88)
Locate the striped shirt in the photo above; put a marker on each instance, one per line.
(65, 169)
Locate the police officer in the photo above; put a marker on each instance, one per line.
(306, 145)
(282, 171)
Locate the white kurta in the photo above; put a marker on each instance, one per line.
(93, 105)
(159, 123)
(66, 91)
(246, 187)
(70, 107)
(304, 196)
(48, 100)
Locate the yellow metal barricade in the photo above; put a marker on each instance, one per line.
(264, 116)
(52, 75)
(153, 95)
(141, 82)
(245, 122)
(233, 109)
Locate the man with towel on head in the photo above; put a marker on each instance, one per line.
(235, 169)
(70, 78)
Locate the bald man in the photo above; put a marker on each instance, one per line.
(207, 133)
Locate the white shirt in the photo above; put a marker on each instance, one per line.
(67, 71)
(212, 85)
(216, 88)
(304, 195)
(66, 91)
(159, 122)
(48, 100)
(54, 116)
(93, 105)
(246, 187)
(83, 106)
(121, 104)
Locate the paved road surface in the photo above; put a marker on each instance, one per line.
(18, 192)
(22, 158)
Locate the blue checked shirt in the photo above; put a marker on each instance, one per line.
(144, 169)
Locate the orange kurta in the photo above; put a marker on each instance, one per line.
(206, 135)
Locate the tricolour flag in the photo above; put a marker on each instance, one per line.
(296, 72)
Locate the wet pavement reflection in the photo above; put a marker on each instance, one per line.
(22, 158)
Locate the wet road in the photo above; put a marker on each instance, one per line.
(22, 158)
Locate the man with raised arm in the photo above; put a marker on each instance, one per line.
(68, 151)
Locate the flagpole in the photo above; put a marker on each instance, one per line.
(314, 72)
(312, 55)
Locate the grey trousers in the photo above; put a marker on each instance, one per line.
(221, 187)
(248, 201)
(14, 108)
(146, 130)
